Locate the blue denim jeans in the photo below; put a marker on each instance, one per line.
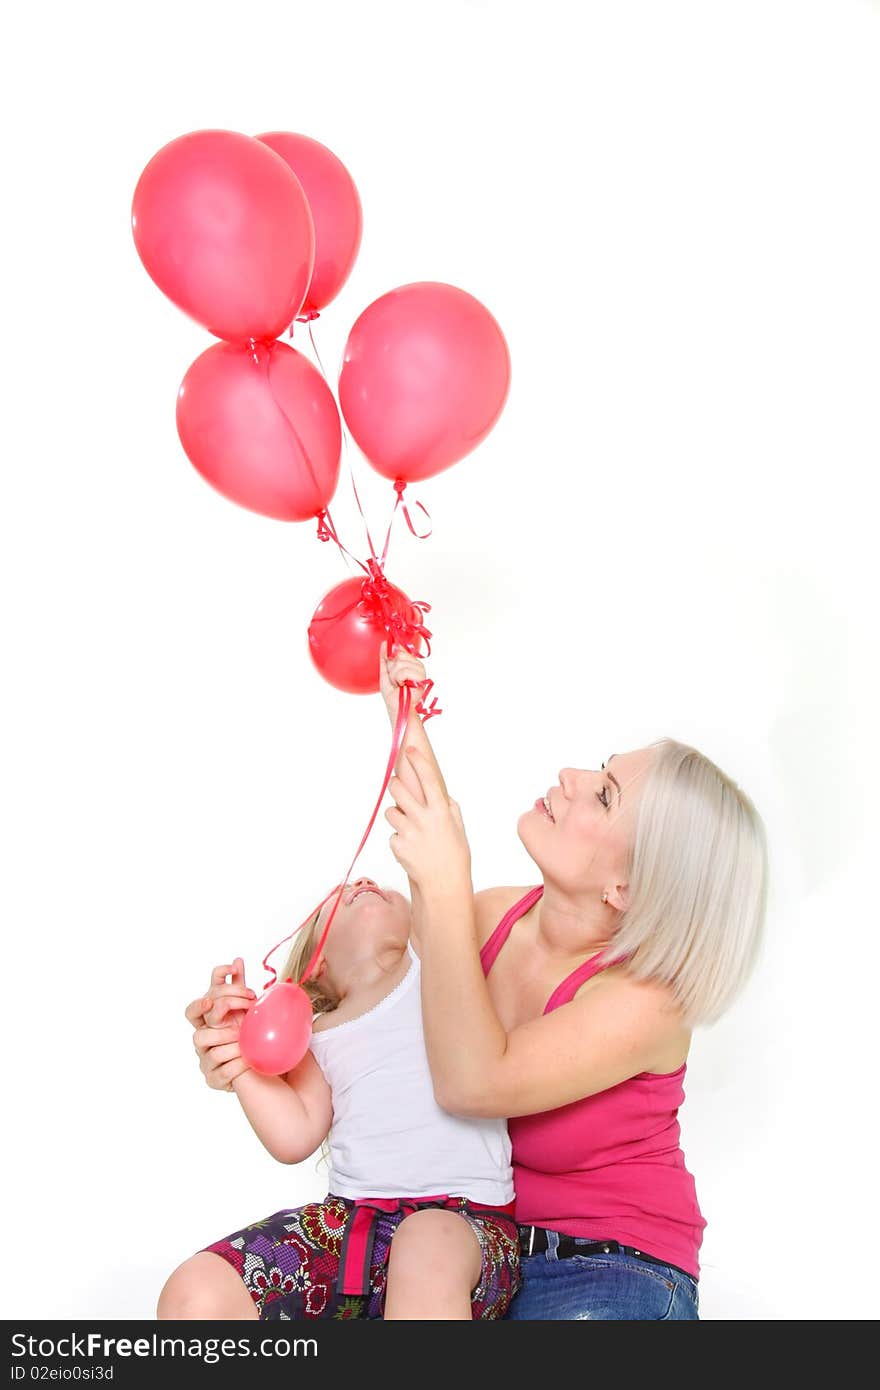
(604, 1287)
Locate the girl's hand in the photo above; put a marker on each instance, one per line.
(222, 999)
(403, 666)
(429, 837)
(216, 1018)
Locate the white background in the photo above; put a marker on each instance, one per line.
(673, 212)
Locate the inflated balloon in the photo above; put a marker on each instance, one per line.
(336, 212)
(425, 375)
(225, 230)
(353, 620)
(275, 1031)
(261, 425)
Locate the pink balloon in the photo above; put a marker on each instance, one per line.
(265, 433)
(425, 375)
(223, 227)
(275, 1032)
(336, 211)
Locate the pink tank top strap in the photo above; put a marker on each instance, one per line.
(490, 951)
(565, 992)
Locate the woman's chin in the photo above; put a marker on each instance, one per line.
(525, 829)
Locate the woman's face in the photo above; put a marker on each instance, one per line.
(369, 919)
(580, 833)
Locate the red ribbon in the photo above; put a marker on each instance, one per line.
(404, 701)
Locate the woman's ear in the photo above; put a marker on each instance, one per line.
(619, 897)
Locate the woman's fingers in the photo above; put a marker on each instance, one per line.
(404, 796)
(426, 776)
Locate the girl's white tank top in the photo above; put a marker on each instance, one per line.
(389, 1137)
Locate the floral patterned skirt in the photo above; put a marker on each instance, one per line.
(290, 1261)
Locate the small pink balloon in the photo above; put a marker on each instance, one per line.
(275, 1033)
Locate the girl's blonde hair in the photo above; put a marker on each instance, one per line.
(298, 958)
(697, 877)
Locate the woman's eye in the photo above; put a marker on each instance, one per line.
(603, 797)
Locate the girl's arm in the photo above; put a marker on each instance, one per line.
(290, 1115)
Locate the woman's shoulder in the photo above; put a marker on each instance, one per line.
(490, 905)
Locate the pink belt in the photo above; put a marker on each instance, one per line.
(360, 1231)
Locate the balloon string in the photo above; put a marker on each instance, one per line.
(404, 700)
(404, 703)
(346, 448)
(399, 487)
(327, 532)
(270, 969)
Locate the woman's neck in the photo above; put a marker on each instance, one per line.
(567, 927)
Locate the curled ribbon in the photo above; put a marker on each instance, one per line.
(404, 626)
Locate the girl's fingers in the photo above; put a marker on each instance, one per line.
(224, 992)
(215, 1057)
(224, 1007)
(195, 1011)
(236, 970)
(230, 1072)
(214, 1037)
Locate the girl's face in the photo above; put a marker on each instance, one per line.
(579, 834)
(369, 919)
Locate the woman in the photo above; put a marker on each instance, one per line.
(568, 1008)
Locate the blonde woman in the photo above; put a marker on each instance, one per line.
(568, 1007)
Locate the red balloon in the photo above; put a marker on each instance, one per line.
(336, 211)
(275, 1031)
(425, 375)
(224, 228)
(349, 626)
(266, 432)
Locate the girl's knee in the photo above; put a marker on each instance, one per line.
(437, 1240)
(204, 1286)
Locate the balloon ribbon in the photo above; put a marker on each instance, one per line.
(404, 702)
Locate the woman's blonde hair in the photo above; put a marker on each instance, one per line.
(697, 877)
(298, 958)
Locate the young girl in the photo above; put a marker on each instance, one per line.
(418, 1221)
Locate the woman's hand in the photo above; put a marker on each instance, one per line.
(216, 1018)
(429, 837)
(402, 666)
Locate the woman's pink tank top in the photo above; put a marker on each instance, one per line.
(609, 1166)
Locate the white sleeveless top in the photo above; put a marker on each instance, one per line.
(389, 1137)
